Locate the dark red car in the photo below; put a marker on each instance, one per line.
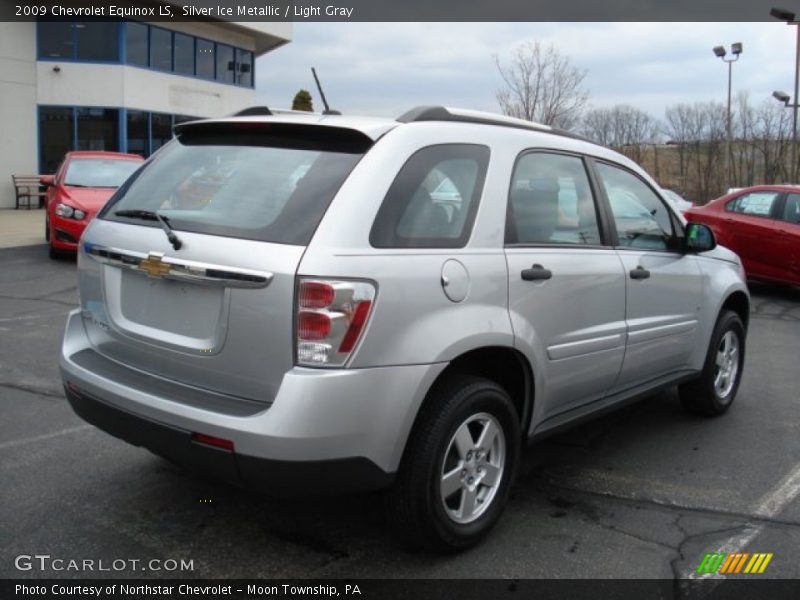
(762, 225)
(81, 186)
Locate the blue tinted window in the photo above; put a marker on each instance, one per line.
(160, 49)
(184, 54)
(204, 59)
(138, 134)
(98, 129)
(145, 46)
(225, 63)
(56, 40)
(55, 136)
(97, 41)
(136, 48)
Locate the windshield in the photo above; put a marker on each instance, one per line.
(232, 187)
(99, 172)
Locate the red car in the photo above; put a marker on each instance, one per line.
(81, 186)
(762, 225)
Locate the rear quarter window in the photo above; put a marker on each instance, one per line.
(433, 200)
(757, 204)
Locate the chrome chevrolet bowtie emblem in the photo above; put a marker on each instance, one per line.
(154, 266)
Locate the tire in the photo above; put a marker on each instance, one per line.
(713, 392)
(459, 406)
(54, 253)
(47, 230)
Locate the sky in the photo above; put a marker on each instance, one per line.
(387, 68)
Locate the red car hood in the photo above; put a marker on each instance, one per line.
(89, 200)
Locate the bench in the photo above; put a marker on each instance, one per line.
(28, 187)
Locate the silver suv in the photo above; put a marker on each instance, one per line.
(323, 303)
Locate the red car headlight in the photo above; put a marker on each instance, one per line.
(66, 211)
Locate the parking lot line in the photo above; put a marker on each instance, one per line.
(40, 438)
(769, 506)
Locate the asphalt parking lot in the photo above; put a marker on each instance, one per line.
(642, 493)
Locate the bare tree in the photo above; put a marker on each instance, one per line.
(694, 158)
(677, 129)
(542, 85)
(743, 151)
(708, 131)
(623, 127)
(598, 125)
(771, 139)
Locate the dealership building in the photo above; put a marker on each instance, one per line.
(117, 86)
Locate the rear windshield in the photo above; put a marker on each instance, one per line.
(268, 186)
(99, 172)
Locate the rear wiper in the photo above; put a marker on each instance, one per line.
(151, 215)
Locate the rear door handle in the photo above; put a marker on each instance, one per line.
(640, 273)
(536, 273)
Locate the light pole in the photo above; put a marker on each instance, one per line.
(736, 51)
(788, 16)
(786, 99)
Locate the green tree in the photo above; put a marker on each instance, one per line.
(302, 101)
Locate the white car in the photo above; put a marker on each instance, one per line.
(678, 201)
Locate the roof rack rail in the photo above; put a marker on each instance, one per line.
(254, 111)
(441, 113)
(265, 111)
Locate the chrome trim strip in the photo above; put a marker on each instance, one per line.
(168, 267)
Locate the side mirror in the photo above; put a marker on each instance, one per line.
(699, 238)
(46, 180)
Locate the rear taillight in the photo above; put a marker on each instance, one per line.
(331, 316)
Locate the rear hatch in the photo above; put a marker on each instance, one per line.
(213, 309)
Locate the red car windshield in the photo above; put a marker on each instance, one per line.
(99, 172)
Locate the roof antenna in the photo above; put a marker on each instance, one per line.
(327, 110)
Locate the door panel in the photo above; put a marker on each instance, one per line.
(753, 233)
(566, 291)
(577, 317)
(662, 315)
(663, 286)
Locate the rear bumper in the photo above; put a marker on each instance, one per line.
(326, 430)
(330, 476)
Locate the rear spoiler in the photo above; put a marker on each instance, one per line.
(257, 132)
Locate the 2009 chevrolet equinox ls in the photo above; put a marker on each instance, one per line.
(322, 302)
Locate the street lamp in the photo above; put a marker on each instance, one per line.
(786, 100)
(788, 16)
(720, 52)
(782, 97)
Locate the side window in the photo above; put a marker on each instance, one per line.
(433, 200)
(758, 204)
(640, 216)
(551, 202)
(791, 210)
